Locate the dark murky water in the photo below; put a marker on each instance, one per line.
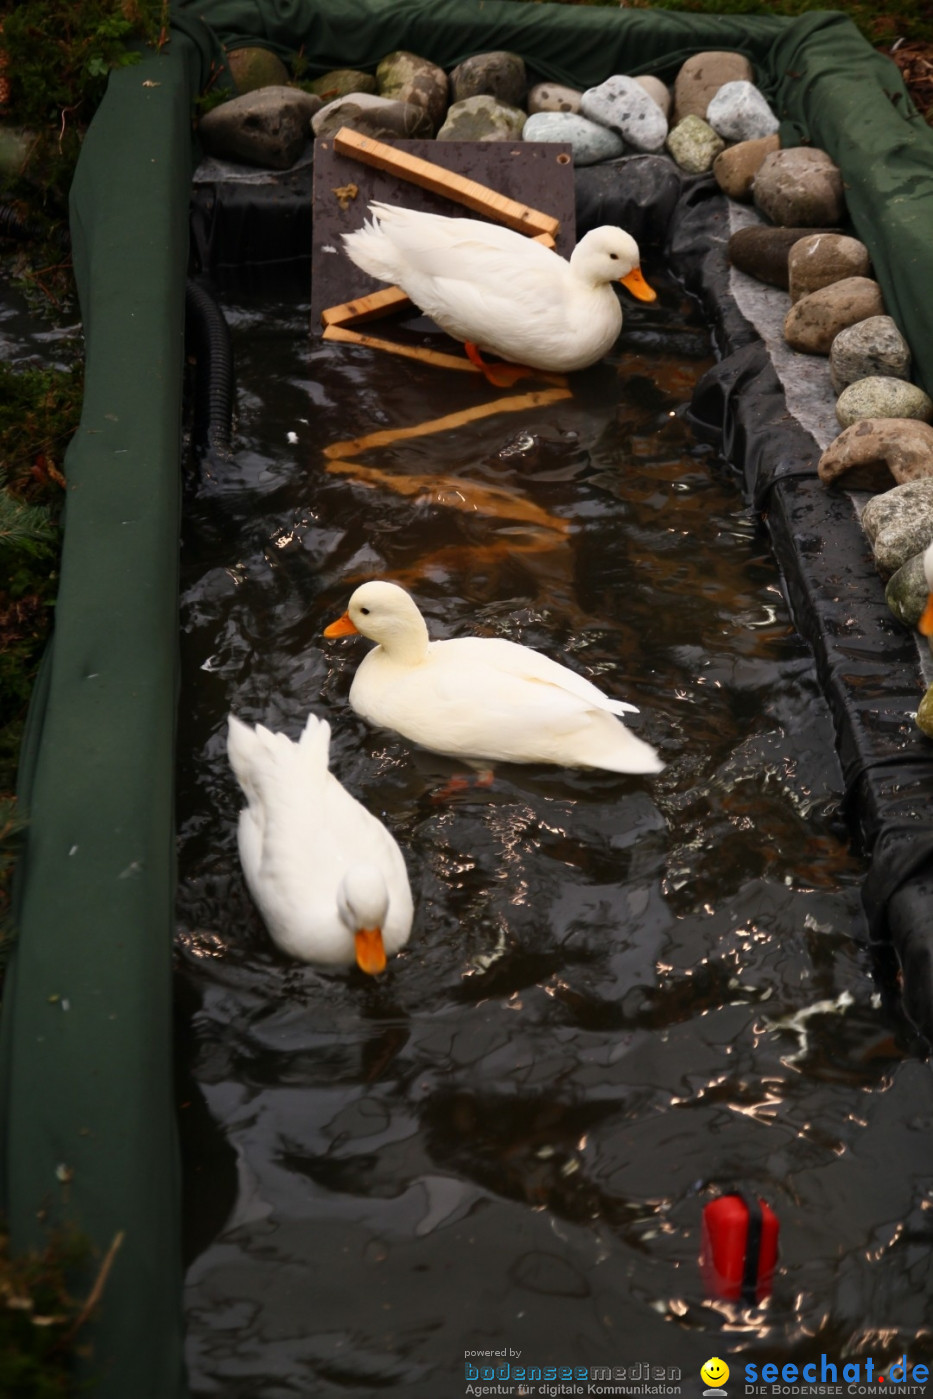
(619, 992)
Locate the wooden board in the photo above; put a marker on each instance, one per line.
(532, 173)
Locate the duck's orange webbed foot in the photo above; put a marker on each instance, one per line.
(458, 784)
(502, 376)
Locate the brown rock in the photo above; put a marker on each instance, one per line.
(405, 77)
(869, 453)
(822, 259)
(252, 67)
(702, 76)
(800, 185)
(762, 251)
(736, 167)
(814, 322)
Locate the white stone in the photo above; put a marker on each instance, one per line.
(623, 105)
(739, 112)
(590, 141)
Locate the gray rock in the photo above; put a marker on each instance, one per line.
(800, 186)
(739, 112)
(482, 119)
(869, 453)
(252, 67)
(735, 168)
(881, 397)
(621, 104)
(551, 97)
(899, 524)
(702, 76)
(269, 127)
(812, 324)
(694, 145)
(872, 346)
(405, 77)
(659, 91)
(341, 82)
(822, 259)
(373, 116)
(762, 251)
(499, 74)
(590, 141)
(907, 591)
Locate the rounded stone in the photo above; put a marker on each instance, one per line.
(405, 77)
(269, 127)
(869, 453)
(341, 82)
(252, 68)
(907, 526)
(497, 74)
(812, 324)
(658, 90)
(907, 591)
(373, 116)
(735, 168)
(800, 186)
(551, 97)
(824, 258)
(881, 397)
(739, 112)
(702, 76)
(694, 145)
(871, 346)
(762, 251)
(621, 104)
(590, 141)
(925, 713)
(482, 118)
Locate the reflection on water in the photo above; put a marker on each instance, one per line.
(619, 993)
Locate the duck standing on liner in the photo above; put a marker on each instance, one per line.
(500, 291)
(327, 877)
(482, 699)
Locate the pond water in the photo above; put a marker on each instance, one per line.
(621, 994)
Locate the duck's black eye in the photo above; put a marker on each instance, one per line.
(365, 611)
(614, 256)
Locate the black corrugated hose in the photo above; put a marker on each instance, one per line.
(208, 343)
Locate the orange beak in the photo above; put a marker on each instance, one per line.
(342, 627)
(638, 286)
(925, 625)
(370, 953)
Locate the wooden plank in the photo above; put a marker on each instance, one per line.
(426, 173)
(366, 308)
(532, 172)
(419, 352)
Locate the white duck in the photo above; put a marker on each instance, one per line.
(481, 698)
(326, 875)
(500, 291)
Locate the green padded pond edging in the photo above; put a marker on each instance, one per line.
(85, 1042)
(88, 1106)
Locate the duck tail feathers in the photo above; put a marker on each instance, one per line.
(314, 743)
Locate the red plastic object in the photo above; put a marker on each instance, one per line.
(739, 1250)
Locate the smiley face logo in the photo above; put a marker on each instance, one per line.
(715, 1372)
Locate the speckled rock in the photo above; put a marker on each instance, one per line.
(551, 97)
(621, 104)
(374, 116)
(702, 76)
(498, 74)
(872, 346)
(814, 321)
(405, 77)
(658, 90)
(800, 186)
(739, 112)
(694, 145)
(341, 82)
(907, 592)
(882, 397)
(869, 453)
(252, 67)
(735, 168)
(590, 141)
(482, 119)
(762, 251)
(925, 713)
(822, 259)
(899, 524)
(269, 127)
